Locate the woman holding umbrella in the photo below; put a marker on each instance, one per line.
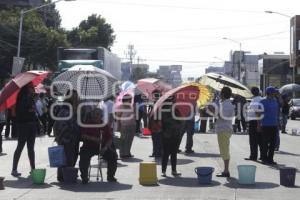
(171, 137)
(26, 125)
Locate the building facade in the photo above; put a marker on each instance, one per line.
(274, 70)
(171, 74)
(214, 70)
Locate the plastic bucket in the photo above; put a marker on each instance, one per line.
(1, 183)
(247, 174)
(197, 127)
(204, 174)
(56, 156)
(146, 131)
(287, 176)
(38, 176)
(70, 174)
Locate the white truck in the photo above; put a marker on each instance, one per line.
(99, 57)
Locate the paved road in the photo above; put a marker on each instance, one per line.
(185, 187)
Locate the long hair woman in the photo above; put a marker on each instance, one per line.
(26, 126)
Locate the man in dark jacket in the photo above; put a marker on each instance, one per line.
(97, 141)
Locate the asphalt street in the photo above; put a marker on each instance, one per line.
(184, 187)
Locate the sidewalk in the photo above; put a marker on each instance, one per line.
(185, 187)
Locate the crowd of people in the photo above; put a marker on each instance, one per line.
(31, 116)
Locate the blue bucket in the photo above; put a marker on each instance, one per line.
(56, 156)
(204, 174)
(247, 174)
(288, 176)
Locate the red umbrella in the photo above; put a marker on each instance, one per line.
(11, 90)
(185, 94)
(148, 85)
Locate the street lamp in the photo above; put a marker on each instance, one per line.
(240, 55)
(288, 16)
(278, 13)
(22, 17)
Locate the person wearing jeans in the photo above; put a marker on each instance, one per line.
(26, 126)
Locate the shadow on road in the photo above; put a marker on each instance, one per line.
(185, 182)
(286, 153)
(203, 155)
(94, 187)
(132, 160)
(24, 183)
(233, 183)
(3, 154)
(104, 165)
(179, 161)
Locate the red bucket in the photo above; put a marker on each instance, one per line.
(146, 131)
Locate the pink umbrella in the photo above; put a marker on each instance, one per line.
(148, 85)
(40, 88)
(11, 90)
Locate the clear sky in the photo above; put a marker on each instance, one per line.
(166, 31)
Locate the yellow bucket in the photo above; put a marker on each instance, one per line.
(148, 174)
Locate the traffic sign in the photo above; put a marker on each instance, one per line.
(18, 63)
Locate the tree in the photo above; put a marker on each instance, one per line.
(50, 15)
(92, 32)
(39, 42)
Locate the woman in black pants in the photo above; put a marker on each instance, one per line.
(171, 137)
(26, 125)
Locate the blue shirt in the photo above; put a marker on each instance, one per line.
(271, 112)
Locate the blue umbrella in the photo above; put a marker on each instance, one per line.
(127, 85)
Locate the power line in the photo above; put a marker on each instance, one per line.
(195, 30)
(175, 6)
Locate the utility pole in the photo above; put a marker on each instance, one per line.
(130, 54)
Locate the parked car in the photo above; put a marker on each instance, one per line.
(294, 108)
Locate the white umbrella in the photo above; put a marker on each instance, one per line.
(218, 81)
(90, 82)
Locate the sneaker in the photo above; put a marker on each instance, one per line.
(163, 174)
(15, 173)
(179, 151)
(111, 179)
(224, 175)
(176, 173)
